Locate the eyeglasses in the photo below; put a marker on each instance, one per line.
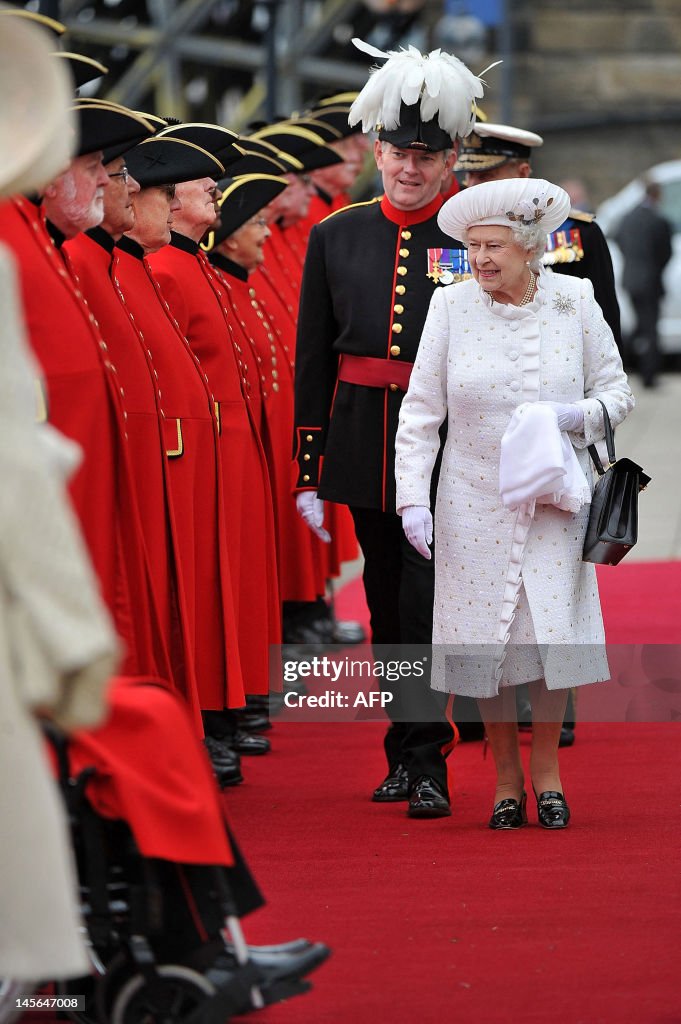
(124, 173)
(258, 222)
(214, 192)
(168, 189)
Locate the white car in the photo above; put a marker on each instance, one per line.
(609, 216)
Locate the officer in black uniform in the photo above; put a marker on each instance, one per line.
(578, 247)
(370, 272)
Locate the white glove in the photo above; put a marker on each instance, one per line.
(570, 417)
(311, 510)
(417, 523)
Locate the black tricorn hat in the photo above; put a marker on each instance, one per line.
(221, 142)
(241, 199)
(169, 161)
(252, 162)
(250, 146)
(413, 133)
(83, 69)
(300, 142)
(109, 127)
(336, 117)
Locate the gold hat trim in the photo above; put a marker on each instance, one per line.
(183, 142)
(41, 19)
(82, 59)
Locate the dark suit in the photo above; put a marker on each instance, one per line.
(366, 293)
(645, 238)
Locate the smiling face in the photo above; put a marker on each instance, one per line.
(411, 177)
(155, 209)
(498, 262)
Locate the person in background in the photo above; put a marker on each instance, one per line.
(645, 238)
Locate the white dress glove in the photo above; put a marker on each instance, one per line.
(311, 510)
(570, 417)
(417, 523)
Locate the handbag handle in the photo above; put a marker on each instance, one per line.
(609, 442)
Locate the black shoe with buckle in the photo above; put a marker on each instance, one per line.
(427, 800)
(509, 813)
(395, 786)
(552, 810)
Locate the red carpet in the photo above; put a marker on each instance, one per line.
(445, 920)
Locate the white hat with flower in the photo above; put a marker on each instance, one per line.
(523, 202)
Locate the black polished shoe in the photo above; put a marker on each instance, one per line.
(567, 736)
(348, 633)
(395, 786)
(227, 776)
(426, 799)
(509, 813)
(253, 721)
(220, 753)
(246, 743)
(552, 810)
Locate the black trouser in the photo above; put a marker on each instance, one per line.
(399, 585)
(646, 341)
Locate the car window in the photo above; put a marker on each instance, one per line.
(671, 202)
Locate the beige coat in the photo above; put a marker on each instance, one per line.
(477, 361)
(57, 649)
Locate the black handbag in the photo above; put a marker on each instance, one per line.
(612, 530)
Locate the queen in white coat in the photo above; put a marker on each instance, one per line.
(514, 602)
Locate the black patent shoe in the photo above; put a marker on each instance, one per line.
(394, 787)
(509, 813)
(426, 799)
(552, 810)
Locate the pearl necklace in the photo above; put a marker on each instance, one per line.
(529, 291)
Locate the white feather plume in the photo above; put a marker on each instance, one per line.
(442, 82)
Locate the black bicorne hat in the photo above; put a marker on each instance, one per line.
(169, 161)
(241, 199)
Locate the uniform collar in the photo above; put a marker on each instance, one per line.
(130, 246)
(405, 218)
(102, 237)
(55, 234)
(228, 266)
(183, 242)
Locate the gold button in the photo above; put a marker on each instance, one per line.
(305, 478)
(404, 253)
(393, 387)
(401, 271)
(252, 292)
(405, 234)
(398, 308)
(400, 289)
(397, 328)
(275, 386)
(309, 437)
(307, 458)
(395, 350)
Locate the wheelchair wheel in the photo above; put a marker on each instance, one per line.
(183, 990)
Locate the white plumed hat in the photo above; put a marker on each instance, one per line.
(519, 201)
(416, 99)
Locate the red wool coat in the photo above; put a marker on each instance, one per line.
(199, 304)
(301, 575)
(193, 474)
(80, 395)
